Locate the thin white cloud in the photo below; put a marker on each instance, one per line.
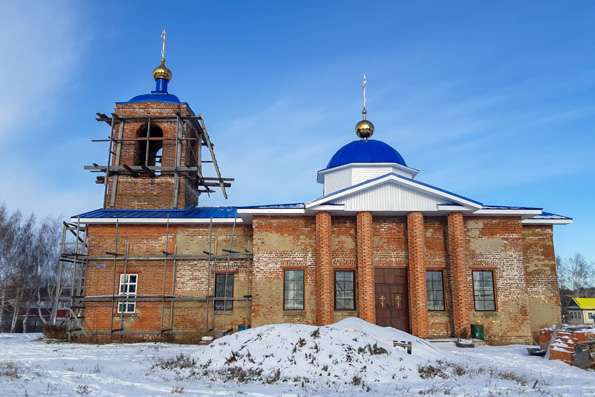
(39, 52)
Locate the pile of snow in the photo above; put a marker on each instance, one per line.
(350, 352)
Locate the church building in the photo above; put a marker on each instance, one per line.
(379, 243)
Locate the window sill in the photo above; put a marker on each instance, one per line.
(223, 312)
(294, 312)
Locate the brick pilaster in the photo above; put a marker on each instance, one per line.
(461, 292)
(365, 270)
(418, 309)
(324, 279)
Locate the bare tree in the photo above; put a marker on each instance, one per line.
(28, 261)
(580, 275)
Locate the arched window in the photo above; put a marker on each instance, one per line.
(150, 146)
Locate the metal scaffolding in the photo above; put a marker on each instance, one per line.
(185, 164)
(75, 259)
(190, 131)
(71, 271)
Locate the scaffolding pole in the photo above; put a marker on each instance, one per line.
(188, 164)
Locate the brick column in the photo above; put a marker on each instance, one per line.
(461, 304)
(324, 279)
(418, 309)
(365, 270)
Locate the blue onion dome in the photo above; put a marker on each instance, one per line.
(366, 151)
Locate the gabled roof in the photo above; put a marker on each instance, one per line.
(412, 183)
(585, 303)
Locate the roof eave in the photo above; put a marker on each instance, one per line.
(144, 221)
(412, 171)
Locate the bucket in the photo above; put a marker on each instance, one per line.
(477, 331)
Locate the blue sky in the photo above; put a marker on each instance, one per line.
(493, 100)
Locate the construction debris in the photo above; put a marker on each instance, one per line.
(574, 345)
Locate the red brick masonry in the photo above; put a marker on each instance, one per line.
(320, 245)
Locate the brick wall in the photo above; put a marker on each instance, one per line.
(418, 312)
(497, 244)
(324, 271)
(365, 269)
(435, 237)
(389, 239)
(458, 276)
(541, 276)
(148, 191)
(521, 258)
(282, 243)
(343, 256)
(190, 280)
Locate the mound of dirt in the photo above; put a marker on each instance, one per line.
(350, 352)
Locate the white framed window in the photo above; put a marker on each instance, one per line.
(435, 290)
(128, 288)
(344, 290)
(224, 292)
(484, 291)
(293, 286)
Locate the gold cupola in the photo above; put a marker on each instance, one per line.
(162, 71)
(364, 128)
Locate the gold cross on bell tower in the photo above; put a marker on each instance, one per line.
(163, 42)
(161, 71)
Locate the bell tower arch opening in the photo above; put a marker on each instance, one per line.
(149, 147)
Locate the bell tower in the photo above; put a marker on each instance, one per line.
(155, 157)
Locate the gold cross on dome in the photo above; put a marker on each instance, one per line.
(163, 41)
(364, 99)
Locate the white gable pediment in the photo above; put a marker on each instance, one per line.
(393, 193)
(390, 197)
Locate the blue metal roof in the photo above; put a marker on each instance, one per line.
(508, 207)
(197, 212)
(366, 151)
(155, 97)
(160, 94)
(549, 215)
(274, 206)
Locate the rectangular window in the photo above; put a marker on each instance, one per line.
(344, 290)
(224, 292)
(293, 293)
(435, 290)
(483, 290)
(128, 287)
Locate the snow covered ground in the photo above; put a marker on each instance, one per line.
(284, 360)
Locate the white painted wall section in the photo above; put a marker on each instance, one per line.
(337, 180)
(347, 176)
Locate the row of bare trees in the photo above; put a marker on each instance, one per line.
(29, 250)
(576, 278)
(576, 275)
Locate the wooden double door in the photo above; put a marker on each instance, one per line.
(392, 299)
